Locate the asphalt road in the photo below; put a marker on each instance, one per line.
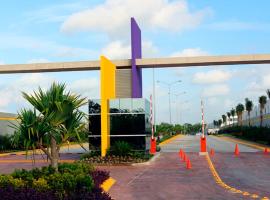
(192, 144)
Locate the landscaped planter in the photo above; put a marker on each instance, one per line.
(73, 181)
(114, 160)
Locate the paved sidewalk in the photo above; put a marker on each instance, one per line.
(167, 178)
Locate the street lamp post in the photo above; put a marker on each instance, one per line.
(177, 101)
(169, 87)
(180, 116)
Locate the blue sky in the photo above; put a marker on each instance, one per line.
(47, 31)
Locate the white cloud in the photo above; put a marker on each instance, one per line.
(1, 62)
(28, 83)
(212, 76)
(88, 87)
(118, 49)
(266, 81)
(113, 16)
(39, 45)
(190, 52)
(258, 78)
(216, 90)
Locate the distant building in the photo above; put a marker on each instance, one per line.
(6, 121)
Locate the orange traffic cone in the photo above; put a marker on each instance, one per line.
(265, 151)
(188, 164)
(184, 157)
(212, 152)
(236, 151)
(181, 153)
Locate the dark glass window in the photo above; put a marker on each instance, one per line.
(128, 118)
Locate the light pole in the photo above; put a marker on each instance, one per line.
(169, 93)
(180, 110)
(177, 101)
(154, 100)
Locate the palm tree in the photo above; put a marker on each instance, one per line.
(233, 114)
(239, 111)
(224, 118)
(219, 122)
(268, 93)
(262, 102)
(214, 123)
(249, 107)
(58, 120)
(229, 116)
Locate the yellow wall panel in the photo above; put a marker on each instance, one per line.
(107, 86)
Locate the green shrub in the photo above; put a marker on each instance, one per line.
(56, 183)
(40, 185)
(70, 181)
(79, 168)
(90, 154)
(158, 148)
(121, 148)
(5, 143)
(256, 134)
(8, 180)
(84, 182)
(23, 174)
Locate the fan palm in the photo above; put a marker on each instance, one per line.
(219, 122)
(262, 102)
(239, 111)
(229, 116)
(249, 107)
(224, 118)
(268, 93)
(233, 114)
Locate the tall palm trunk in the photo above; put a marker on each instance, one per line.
(248, 118)
(238, 119)
(54, 154)
(241, 119)
(261, 117)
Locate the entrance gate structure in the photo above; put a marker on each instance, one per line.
(123, 78)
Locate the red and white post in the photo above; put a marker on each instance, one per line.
(153, 140)
(203, 138)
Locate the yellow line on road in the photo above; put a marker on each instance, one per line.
(170, 139)
(106, 185)
(39, 152)
(32, 161)
(8, 118)
(221, 183)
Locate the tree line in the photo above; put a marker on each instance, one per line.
(240, 108)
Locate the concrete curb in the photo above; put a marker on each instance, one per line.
(170, 139)
(156, 156)
(107, 184)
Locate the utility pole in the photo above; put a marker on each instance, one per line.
(169, 93)
(154, 100)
